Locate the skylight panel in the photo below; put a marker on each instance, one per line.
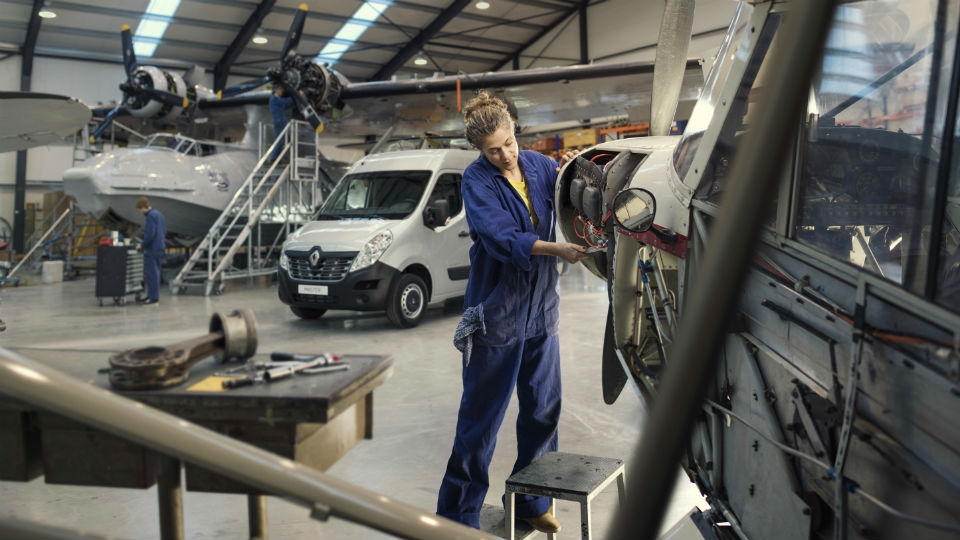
(153, 25)
(351, 30)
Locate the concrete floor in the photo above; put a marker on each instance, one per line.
(414, 416)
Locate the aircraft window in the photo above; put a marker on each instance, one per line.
(448, 189)
(738, 117)
(868, 172)
(162, 140)
(186, 146)
(712, 86)
(204, 149)
(948, 278)
(383, 194)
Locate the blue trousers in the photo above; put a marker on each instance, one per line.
(151, 274)
(533, 366)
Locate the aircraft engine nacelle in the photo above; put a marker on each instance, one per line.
(151, 77)
(319, 84)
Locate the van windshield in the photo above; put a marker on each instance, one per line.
(382, 194)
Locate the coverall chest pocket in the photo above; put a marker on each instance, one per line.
(500, 313)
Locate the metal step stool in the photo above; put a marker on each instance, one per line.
(570, 477)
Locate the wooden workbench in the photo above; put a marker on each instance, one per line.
(312, 419)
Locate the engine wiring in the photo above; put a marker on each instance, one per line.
(593, 235)
(596, 233)
(851, 486)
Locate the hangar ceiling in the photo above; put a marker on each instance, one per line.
(453, 36)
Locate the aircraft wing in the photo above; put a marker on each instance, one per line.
(541, 96)
(34, 119)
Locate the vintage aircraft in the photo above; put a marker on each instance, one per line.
(829, 413)
(194, 178)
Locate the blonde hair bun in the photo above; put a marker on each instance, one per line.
(482, 116)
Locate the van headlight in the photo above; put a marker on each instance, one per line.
(372, 250)
(284, 262)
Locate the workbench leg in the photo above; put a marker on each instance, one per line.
(170, 497)
(368, 416)
(257, 512)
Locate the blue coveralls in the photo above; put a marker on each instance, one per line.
(278, 110)
(154, 243)
(513, 304)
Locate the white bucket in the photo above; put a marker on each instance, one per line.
(52, 272)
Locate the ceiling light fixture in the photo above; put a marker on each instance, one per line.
(482, 5)
(420, 60)
(45, 12)
(259, 38)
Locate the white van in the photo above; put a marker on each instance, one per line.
(392, 236)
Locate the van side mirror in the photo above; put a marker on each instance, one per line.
(436, 213)
(634, 208)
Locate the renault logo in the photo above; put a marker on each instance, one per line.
(314, 258)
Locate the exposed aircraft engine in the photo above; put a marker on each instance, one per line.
(154, 78)
(585, 192)
(320, 85)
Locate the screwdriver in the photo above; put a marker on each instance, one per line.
(291, 357)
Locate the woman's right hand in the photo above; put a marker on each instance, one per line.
(565, 250)
(572, 253)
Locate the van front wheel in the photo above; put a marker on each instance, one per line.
(408, 301)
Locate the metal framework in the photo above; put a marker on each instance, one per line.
(418, 42)
(276, 198)
(249, 28)
(515, 55)
(20, 183)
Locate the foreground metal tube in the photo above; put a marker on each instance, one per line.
(324, 495)
(753, 180)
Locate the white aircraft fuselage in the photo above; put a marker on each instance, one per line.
(189, 181)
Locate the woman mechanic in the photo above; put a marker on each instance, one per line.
(508, 333)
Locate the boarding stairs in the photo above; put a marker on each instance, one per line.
(276, 198)
(66, 234)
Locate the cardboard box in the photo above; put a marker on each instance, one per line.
(579, 137)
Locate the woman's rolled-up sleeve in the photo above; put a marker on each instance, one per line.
(496, 228)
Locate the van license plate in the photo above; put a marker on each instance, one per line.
(319, 290)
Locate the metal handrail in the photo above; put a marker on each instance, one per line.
(324, 495)
(39, 242)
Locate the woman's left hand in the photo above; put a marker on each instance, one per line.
(566, 157)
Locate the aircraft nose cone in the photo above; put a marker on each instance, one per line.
(80, 183)
(77, 173)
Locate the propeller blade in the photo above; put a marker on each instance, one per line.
(306, 110)
(296, 30)
(670, 64)
(129, 57)
(107, 120)
(612, 376)
(245, 86)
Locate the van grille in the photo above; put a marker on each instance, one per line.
(329, 268)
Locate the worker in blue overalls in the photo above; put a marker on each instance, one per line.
(279, 105)
(508, 334)
(153, 246)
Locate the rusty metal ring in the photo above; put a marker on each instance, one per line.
(239, 330)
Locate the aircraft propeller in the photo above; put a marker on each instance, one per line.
(138, 89)
(668, 71)
(671, 60)
(291, 74)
